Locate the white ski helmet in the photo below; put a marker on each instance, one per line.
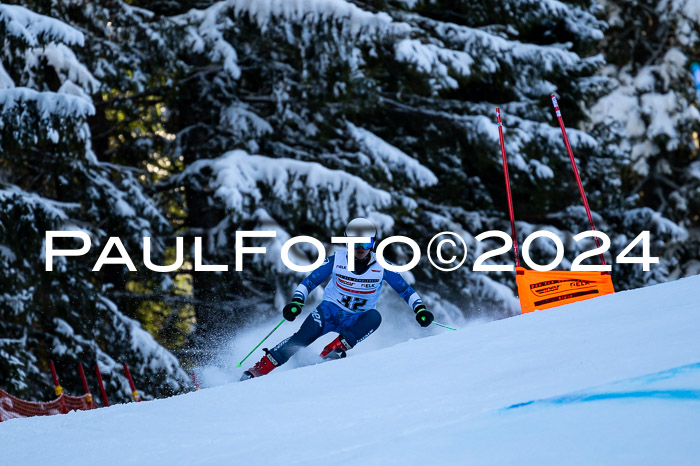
(362, 227)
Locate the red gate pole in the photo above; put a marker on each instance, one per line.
(105, 401)
(194, 379)
(573, 164)
(134, 394)
(510, 199)
(58, 389)
(88, 398)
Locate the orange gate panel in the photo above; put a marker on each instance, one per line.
(544, 290)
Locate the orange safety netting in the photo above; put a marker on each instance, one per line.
(544, 290)
(12, 407)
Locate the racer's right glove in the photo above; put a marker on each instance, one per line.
(293, 309)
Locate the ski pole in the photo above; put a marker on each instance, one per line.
(443, 325)
(261, 342)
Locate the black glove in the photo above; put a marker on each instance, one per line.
(423, 316)
(293, 309)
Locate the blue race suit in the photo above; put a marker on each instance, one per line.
(348, 306)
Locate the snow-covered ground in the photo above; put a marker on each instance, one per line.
(613, 380)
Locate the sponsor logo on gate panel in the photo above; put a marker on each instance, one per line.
(549, 287)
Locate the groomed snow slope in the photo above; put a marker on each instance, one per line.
(613, 380)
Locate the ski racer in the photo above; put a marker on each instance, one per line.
(348, 306)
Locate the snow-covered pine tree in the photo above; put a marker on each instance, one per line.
(296, 116)
(650, 122)
(51, 179)
(129, 51)
(458, 62)
(252, 117)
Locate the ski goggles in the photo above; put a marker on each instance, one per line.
(365, 245)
